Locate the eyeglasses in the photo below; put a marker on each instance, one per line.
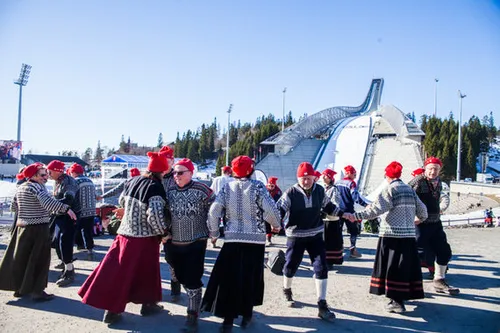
(179, 173)
(43, 175)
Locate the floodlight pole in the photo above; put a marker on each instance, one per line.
(459, 152)
(436, 97)
(283, 120)
(21, 82)
(227, 134)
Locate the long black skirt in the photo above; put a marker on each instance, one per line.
(334, 243)
(236, 284)
(396, 271)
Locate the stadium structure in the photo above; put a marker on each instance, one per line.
(368, 137)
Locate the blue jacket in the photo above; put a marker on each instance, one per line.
(348, 195)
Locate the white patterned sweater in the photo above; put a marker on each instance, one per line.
(145, 203)
(247, 206)
(33, 204)
(397, 206)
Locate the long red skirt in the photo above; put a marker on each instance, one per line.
(130, 272)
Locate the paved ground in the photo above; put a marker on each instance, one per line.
(475, 269)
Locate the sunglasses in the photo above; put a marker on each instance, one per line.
(43, 175)
(179, 173)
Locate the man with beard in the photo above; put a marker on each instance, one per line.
(430, 234)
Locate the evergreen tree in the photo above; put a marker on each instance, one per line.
(160, 140)
(178, 146)
(98, 153)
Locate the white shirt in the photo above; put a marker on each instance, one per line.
(219, 182)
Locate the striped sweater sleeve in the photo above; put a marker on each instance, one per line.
(47, 202)
(156, 214)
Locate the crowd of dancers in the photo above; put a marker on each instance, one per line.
(164, 205)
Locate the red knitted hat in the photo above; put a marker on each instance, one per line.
(76, 168)
(317, 173)
(242, 166)
(329, 173)
(272, 180)
(186, 162)
(350, 169)
(305, 169)
(393, 170)
(20, 176)
(226, 169)
(134, 172)
(56, 166)
(433, 160)
(157, 162)
(417, 172)
(31, 170)
(167, 152)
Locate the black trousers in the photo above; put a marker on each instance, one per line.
(188, 262)
(64, 238)
(432, 239)
(84, 232)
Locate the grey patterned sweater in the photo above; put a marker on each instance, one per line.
(33, 204)
(397, 206)
(189, 207)
(246, 206)
(85, 195)
(144, 202)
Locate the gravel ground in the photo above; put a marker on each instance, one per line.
(474, 269)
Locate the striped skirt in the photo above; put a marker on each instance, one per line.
(334, 243)
(396, 271)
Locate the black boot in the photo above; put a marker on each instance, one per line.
(110, 317)
(66, 279)
(191, 324)
(150, 309)
(175, 291)
(289, 297)
(324, 312)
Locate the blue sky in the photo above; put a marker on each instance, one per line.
(106, 68)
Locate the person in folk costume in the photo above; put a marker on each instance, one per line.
(118, 189)
(396, 271)
(348, 195)
(168, 183)
(25, 265)
(65, 189)
(189, 202)
(430, 234)
(236, 283)
(20, 179)
(225, 177)
(217, 184)
(334, 242)
(303, 204)
(430, 267)
(86, 196)
(275, 192)
(130, 271)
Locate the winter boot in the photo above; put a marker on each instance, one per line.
(191, 324)
(110, 317)
(150, 309)
(175, 291)
(395, 306)
(289, 297)
(324, 312)
(441, 286)
(66, 279)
